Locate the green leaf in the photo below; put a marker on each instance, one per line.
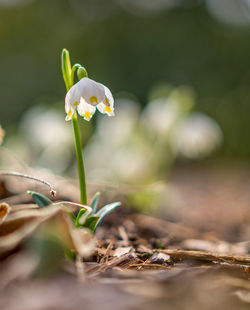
(73, 217)
(106, 209)
(66, 68)
(79, 217)
(94, 202)
(91, 222)
(40, 200)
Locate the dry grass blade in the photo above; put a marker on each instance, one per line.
(108, 251)
(21, 175)
(142, 266)
(208, 256)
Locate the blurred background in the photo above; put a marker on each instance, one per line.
(131, 46)
(177, 149)
(179, 71)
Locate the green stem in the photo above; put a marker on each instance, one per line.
(68, 76)
(80, 164)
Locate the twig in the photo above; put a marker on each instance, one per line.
(208, 256)
(123, 235)
(151, 266)
(123, 261)
(108, 250)
(16, 174)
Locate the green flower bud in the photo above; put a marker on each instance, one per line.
(81, 73)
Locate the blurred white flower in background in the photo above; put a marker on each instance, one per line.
(115, 151)
(232, 12)
(89, 10)
(177, 129)
(197, 136)
(131, 164)
(122, 125)
(160, 115)
(49, 136)
(148, 7)
(14, 3)
(139, 147)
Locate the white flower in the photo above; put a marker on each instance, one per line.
(160, 115)
(197, 136)
(87, 95)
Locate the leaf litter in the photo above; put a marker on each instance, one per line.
(135, 261)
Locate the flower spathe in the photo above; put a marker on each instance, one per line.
(85, 97)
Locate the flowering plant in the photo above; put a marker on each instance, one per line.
(87, 95)
(84, 98)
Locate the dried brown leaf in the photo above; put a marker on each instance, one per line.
(4, 211)
(19, 225)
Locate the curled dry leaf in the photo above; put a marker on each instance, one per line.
(21, 224)
(4, 211)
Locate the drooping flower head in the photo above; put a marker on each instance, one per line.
(85, 97)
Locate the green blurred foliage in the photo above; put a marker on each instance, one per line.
(127, 52)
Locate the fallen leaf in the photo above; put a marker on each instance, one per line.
(4, 211)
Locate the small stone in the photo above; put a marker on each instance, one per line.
(161, 258)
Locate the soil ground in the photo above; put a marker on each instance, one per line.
(194, 255)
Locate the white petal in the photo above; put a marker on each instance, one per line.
(91, 91)
(69, 116)
(109, 96)
(107, 106)
(72, 98)
(105, 109)
(67, 104)
(86, 110)
(70, 113)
